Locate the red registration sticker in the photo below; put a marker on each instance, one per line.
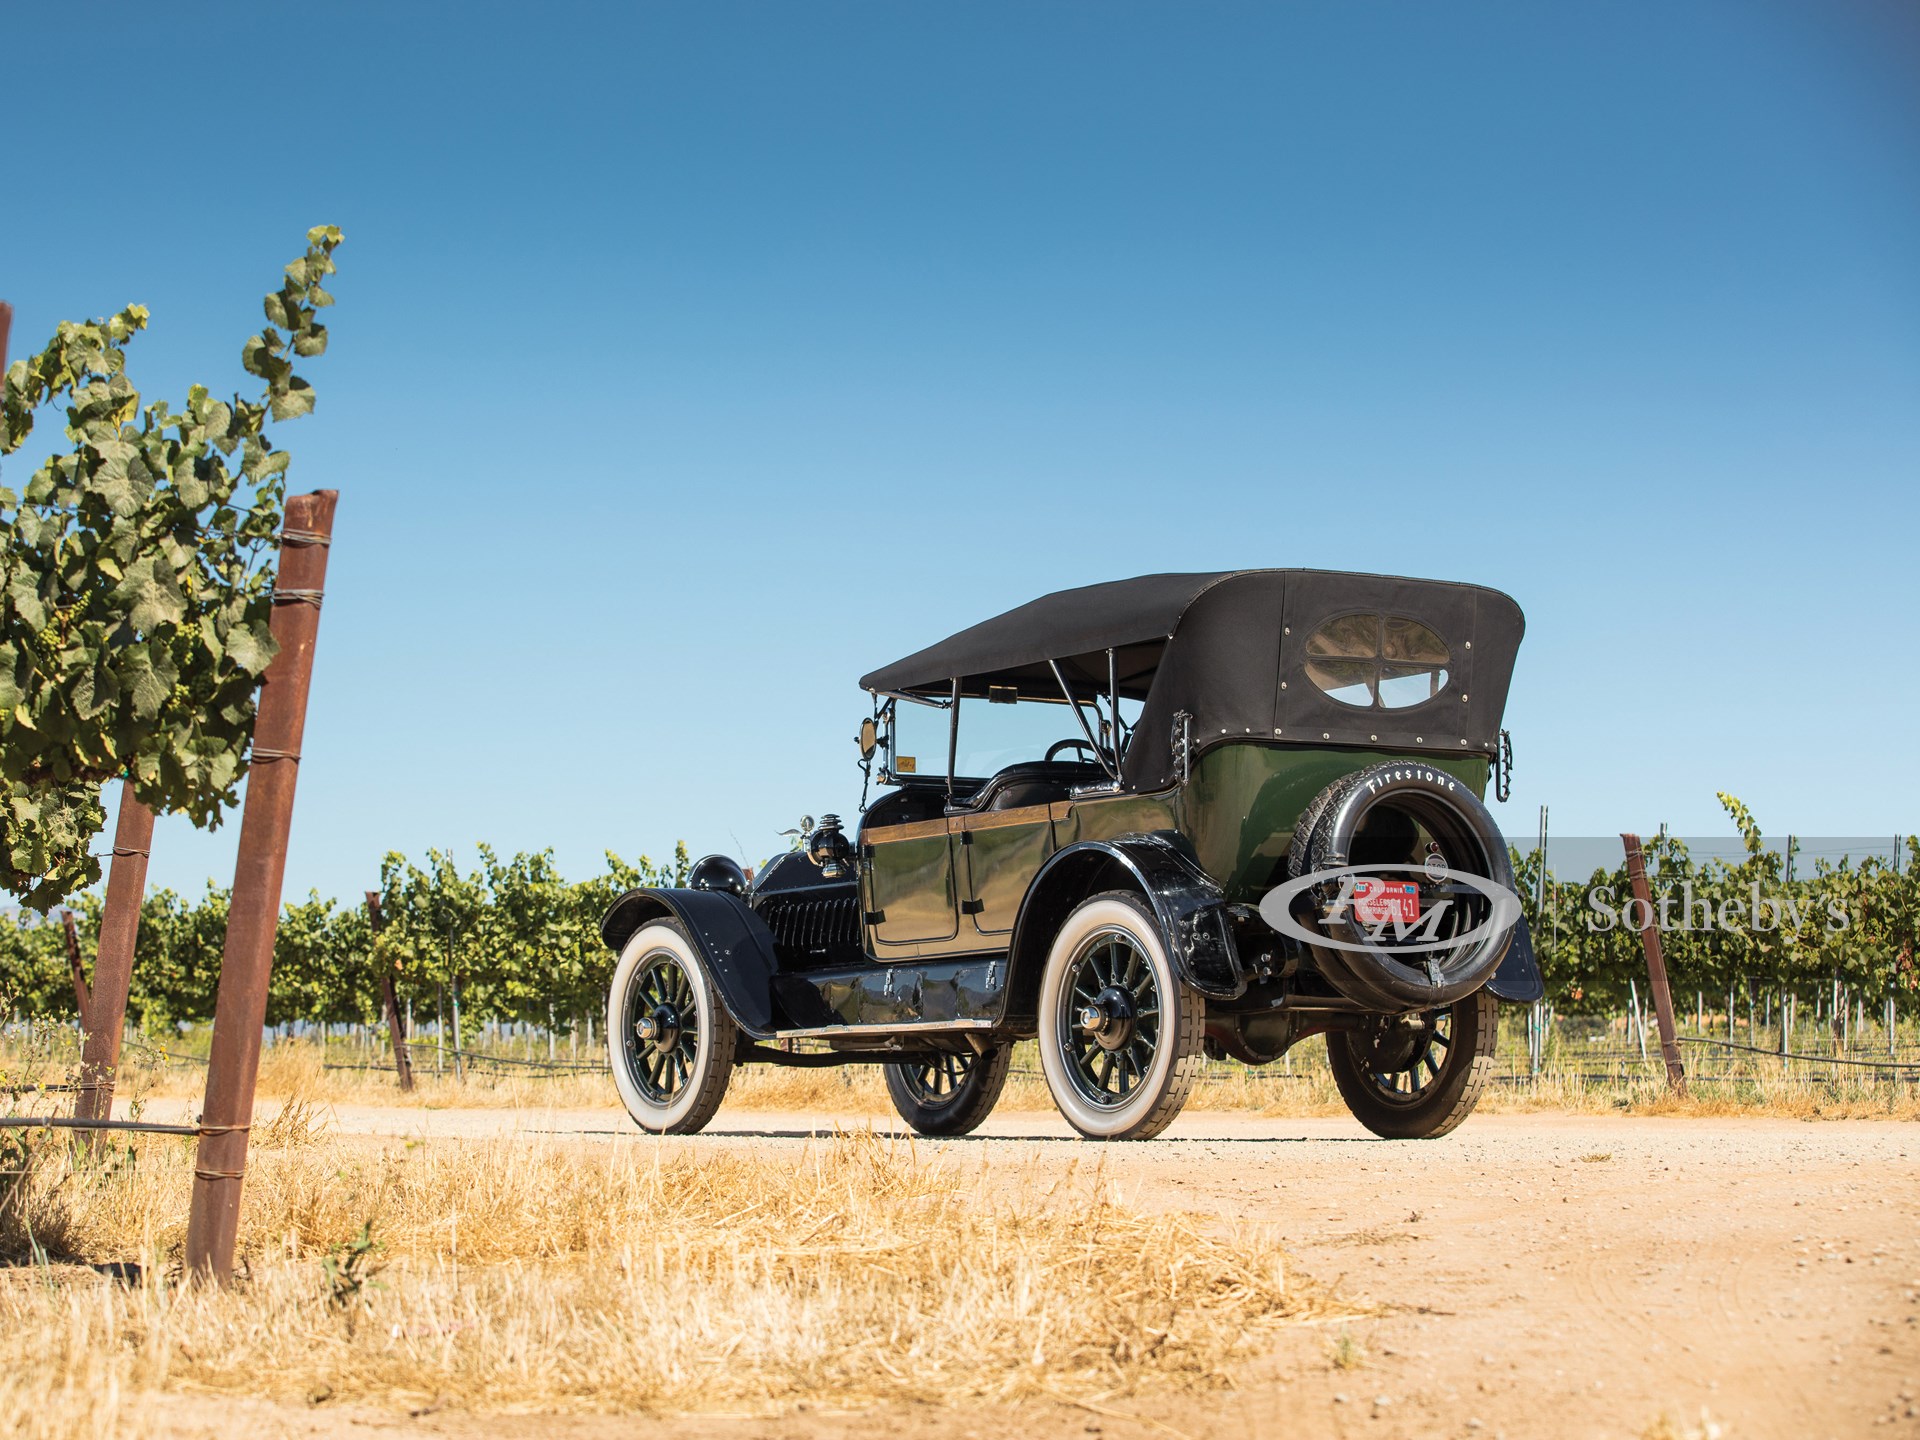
(1385, 902)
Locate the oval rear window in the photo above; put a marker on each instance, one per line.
(1377, 662)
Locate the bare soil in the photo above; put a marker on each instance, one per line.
(1534, 1275)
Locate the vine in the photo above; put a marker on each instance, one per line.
(136, 583)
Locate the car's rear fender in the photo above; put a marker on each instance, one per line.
(735, 943)
(1517, 980)
(1192, 911)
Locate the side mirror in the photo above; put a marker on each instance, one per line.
(868, 739)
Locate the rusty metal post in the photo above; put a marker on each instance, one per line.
(113, 966)
(1656, 965)
(253, 915)
(6, 328)
(396, 1028)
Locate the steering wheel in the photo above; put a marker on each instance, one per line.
(1092, 755)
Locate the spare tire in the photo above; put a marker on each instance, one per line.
(1300, 851)
(1412, 820)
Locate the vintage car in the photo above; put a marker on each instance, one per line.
(1140, 822)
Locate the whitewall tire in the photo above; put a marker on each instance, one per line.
(670, 1041)
(1119, 1034)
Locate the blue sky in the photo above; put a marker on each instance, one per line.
(692, 360)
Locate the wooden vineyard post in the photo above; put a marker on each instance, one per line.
(396, 1027)
(106, 1015)
(1656, 965)
(253, 916)
(82, 996)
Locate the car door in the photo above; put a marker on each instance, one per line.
(907, 885)
(1003, 850)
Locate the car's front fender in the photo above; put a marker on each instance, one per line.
(735, 943)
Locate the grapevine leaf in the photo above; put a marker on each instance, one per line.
(150, 595)
(93, 690)
(147, 687)
(251, 647)
(294, 401)
(25, 594)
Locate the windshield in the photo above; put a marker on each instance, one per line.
(992, 736)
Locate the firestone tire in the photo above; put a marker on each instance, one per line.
(1128, 1076)
(1452, 1086)
(952, 1095)
(670, 1041)
(1437, 799)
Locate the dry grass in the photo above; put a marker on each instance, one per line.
(1755, 1085)
(1759, 1086)
(1302, 1085)
(636, 1276)
(298, 1068)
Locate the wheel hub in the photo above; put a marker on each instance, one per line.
(659, 1027)
(1392, 1045)
(1109, 1018)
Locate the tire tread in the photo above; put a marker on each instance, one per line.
(1300, 848)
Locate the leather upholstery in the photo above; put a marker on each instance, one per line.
(1033, 782)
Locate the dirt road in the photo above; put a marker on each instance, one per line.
(1550, 1275)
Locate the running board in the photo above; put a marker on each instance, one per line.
(892, 1052)
(874, 998)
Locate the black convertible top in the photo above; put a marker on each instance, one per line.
(1229, 649)
(1064, 626)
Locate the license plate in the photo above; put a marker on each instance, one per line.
(1385, 902)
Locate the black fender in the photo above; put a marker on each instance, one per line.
(1518, 981)
(1194, 919)
(735, 943)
